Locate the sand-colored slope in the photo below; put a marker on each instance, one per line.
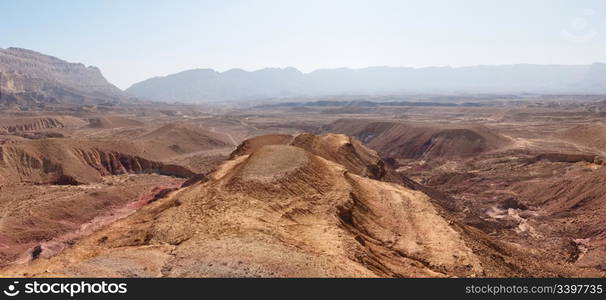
(113, 122)
(573, 205)
(587, 135)
(350, 153)
(175, 139)
(338, 148)
(253, 144)
(280, 211)
(20, 123)
(66, 161)
(50, 218)
(283, 211)
(401, 140)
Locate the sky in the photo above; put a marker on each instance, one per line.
(134, 40)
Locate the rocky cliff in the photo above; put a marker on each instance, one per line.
(31, 78)
(60, 161)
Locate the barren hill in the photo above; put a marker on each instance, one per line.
(401, 140)
(112, 122)
(65, 161)
(31, 78)
(350, 153)
(180, 138)
(586, 135)
(283, 211)
(342, 149)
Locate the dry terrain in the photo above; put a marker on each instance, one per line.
(140, 190)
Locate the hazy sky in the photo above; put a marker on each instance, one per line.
(134, 40)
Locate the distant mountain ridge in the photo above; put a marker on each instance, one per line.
(201, 85)
(31, 78)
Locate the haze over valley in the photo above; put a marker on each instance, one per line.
(203, 85)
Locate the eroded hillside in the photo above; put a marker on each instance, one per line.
(282, 211)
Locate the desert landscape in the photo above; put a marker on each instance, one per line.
(96, 182)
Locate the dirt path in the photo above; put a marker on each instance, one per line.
(220, 151)
(231, 138)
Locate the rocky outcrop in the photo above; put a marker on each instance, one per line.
(567, 158)
(115, 163)
(31, 78)
(33, 124)
(253, 144)
(350, 153)
(181, 138)
(44, 162)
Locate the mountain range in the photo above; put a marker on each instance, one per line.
(29, 78)
(201, 85)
